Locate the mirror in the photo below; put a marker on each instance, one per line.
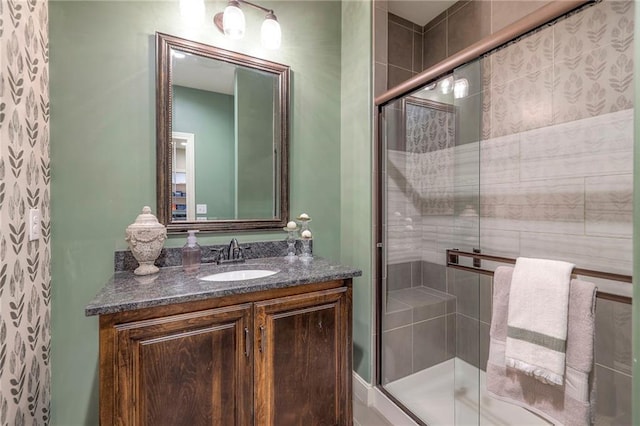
(222, 138)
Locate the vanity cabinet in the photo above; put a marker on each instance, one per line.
(276, 357)
(302, 368)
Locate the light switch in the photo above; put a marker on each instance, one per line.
(34, 224)
(201, 209)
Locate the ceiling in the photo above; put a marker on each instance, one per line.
(195, 71)
(419, 11)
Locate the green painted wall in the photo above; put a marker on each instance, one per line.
(209, 116)
(102, 80)
(356, 165)
(255, 155)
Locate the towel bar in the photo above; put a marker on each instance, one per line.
(453, 256)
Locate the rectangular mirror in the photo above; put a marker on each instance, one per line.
(222, 138)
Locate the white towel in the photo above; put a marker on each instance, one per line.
(572, 404)
(537, 318)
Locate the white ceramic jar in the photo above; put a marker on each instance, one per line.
(146, 238)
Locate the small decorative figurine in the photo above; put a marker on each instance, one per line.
(146, 237)
(306, 245)
(291, 229)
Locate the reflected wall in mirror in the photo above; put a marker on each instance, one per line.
(222, 138)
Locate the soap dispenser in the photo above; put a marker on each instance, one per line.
(191, 253)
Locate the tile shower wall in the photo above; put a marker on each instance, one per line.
(404, 49)
(413, 48)
(556, 155)
(419, 324)
(25, 278)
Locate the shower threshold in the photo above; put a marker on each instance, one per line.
(447, 394)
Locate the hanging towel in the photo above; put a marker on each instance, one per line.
(537, 321)
(573, 403)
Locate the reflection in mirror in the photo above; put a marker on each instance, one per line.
(182, 176)
(224, 165)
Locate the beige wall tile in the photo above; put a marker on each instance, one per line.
(613, 335)
(601, 145)
(552, 206)
(609, 205)
(397, 361)
(381, 36)
(397, 75)
(382, 4)
(613, 405)
(417, 52)
(380, 79)
(537, 99)
(434, 45)
(400, 52)
(599, 253)
(467, 25)
(499, 242)
(500, 160)
(504, 13)
(437, 20)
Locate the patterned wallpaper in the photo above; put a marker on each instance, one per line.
(25, 278)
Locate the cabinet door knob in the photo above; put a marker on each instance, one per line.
(262, 338)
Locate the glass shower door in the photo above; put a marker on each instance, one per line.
(430, 344)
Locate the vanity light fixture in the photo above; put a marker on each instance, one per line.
(231, 23)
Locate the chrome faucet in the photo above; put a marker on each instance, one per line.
(234, 253)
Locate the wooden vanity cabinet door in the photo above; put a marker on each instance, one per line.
(186, 369)
(302, 359)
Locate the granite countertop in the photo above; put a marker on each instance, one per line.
(126, 291)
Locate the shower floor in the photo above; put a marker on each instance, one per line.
(447, 394)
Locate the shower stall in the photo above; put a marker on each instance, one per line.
(524, 151)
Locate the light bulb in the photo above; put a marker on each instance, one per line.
(446, 85)
(233, 21)
(270, 32)
(460, 88)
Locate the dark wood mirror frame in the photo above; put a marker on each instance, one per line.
(164, 44)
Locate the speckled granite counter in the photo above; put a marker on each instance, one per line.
(126, 291)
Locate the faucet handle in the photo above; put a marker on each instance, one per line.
(241, 251)
(220, 254)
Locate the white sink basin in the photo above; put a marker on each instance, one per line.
(245, 274)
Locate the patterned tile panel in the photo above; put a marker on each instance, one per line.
(555, 206)
(581, 67)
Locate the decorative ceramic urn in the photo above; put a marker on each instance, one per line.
(146, 237)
